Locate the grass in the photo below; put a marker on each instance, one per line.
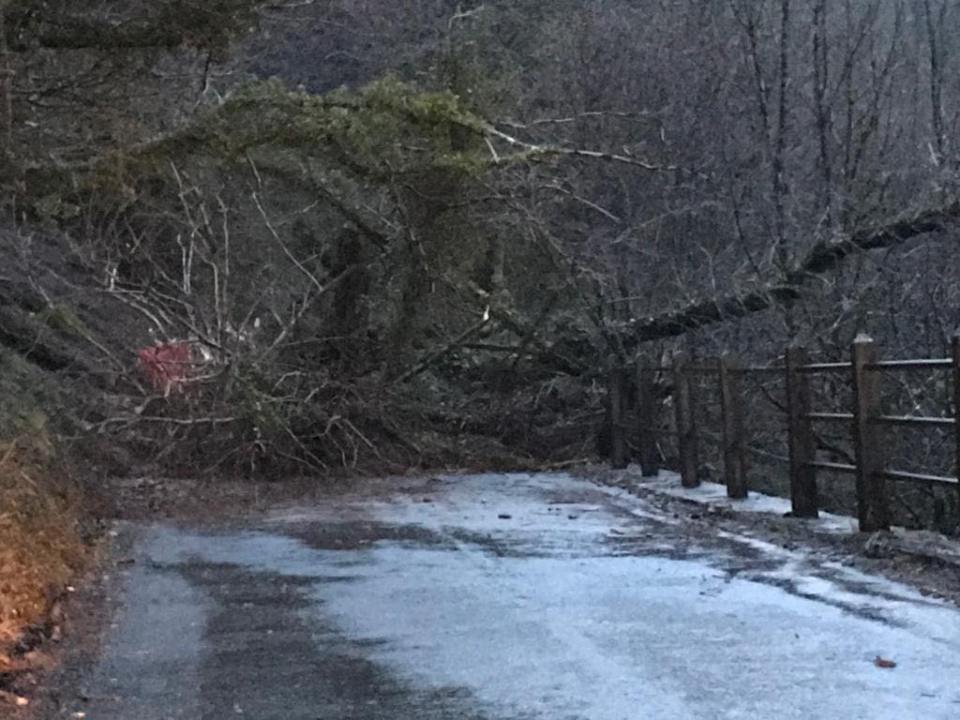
(41, 544)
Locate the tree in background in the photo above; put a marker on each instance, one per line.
(469, 207)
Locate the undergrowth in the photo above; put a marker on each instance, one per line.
(41, 540)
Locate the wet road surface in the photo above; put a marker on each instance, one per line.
(507, 597)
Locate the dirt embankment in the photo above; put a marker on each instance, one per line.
(46, 374)
(45, 541)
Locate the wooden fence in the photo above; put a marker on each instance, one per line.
(866, 420)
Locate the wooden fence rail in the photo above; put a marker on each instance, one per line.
(866, 420)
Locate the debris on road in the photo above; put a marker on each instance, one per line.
(12, 699)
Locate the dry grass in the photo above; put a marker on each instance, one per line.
(41, 546)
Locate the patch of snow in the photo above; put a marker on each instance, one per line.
(539, 617)
(579, 632)
(715, 495)
(627, 637)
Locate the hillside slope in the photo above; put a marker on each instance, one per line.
(59, 350)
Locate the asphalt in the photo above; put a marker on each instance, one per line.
(505, 597)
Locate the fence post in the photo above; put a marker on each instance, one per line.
(616, 398)
(686, 426)
(955, 347)
(648, 416)
(734, 440)
(872, 505)
(803, 447)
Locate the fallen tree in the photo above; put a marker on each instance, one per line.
(824, 257)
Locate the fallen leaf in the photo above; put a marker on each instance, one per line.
(37, 660)
(12, 699)
(884, 663)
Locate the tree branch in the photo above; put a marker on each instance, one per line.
(824, 257)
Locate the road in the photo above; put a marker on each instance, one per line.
(507, 597)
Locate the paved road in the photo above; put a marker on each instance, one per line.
(508, 597)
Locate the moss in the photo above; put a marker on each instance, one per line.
(24, 391)
(387, 125)
(63, 319)
(52, 209)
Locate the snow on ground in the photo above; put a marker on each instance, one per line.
(578, 632)
(715, 494)
(549, 598)
(618, 638)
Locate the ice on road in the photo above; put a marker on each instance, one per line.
(511, 596)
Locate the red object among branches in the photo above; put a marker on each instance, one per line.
(167, 366)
